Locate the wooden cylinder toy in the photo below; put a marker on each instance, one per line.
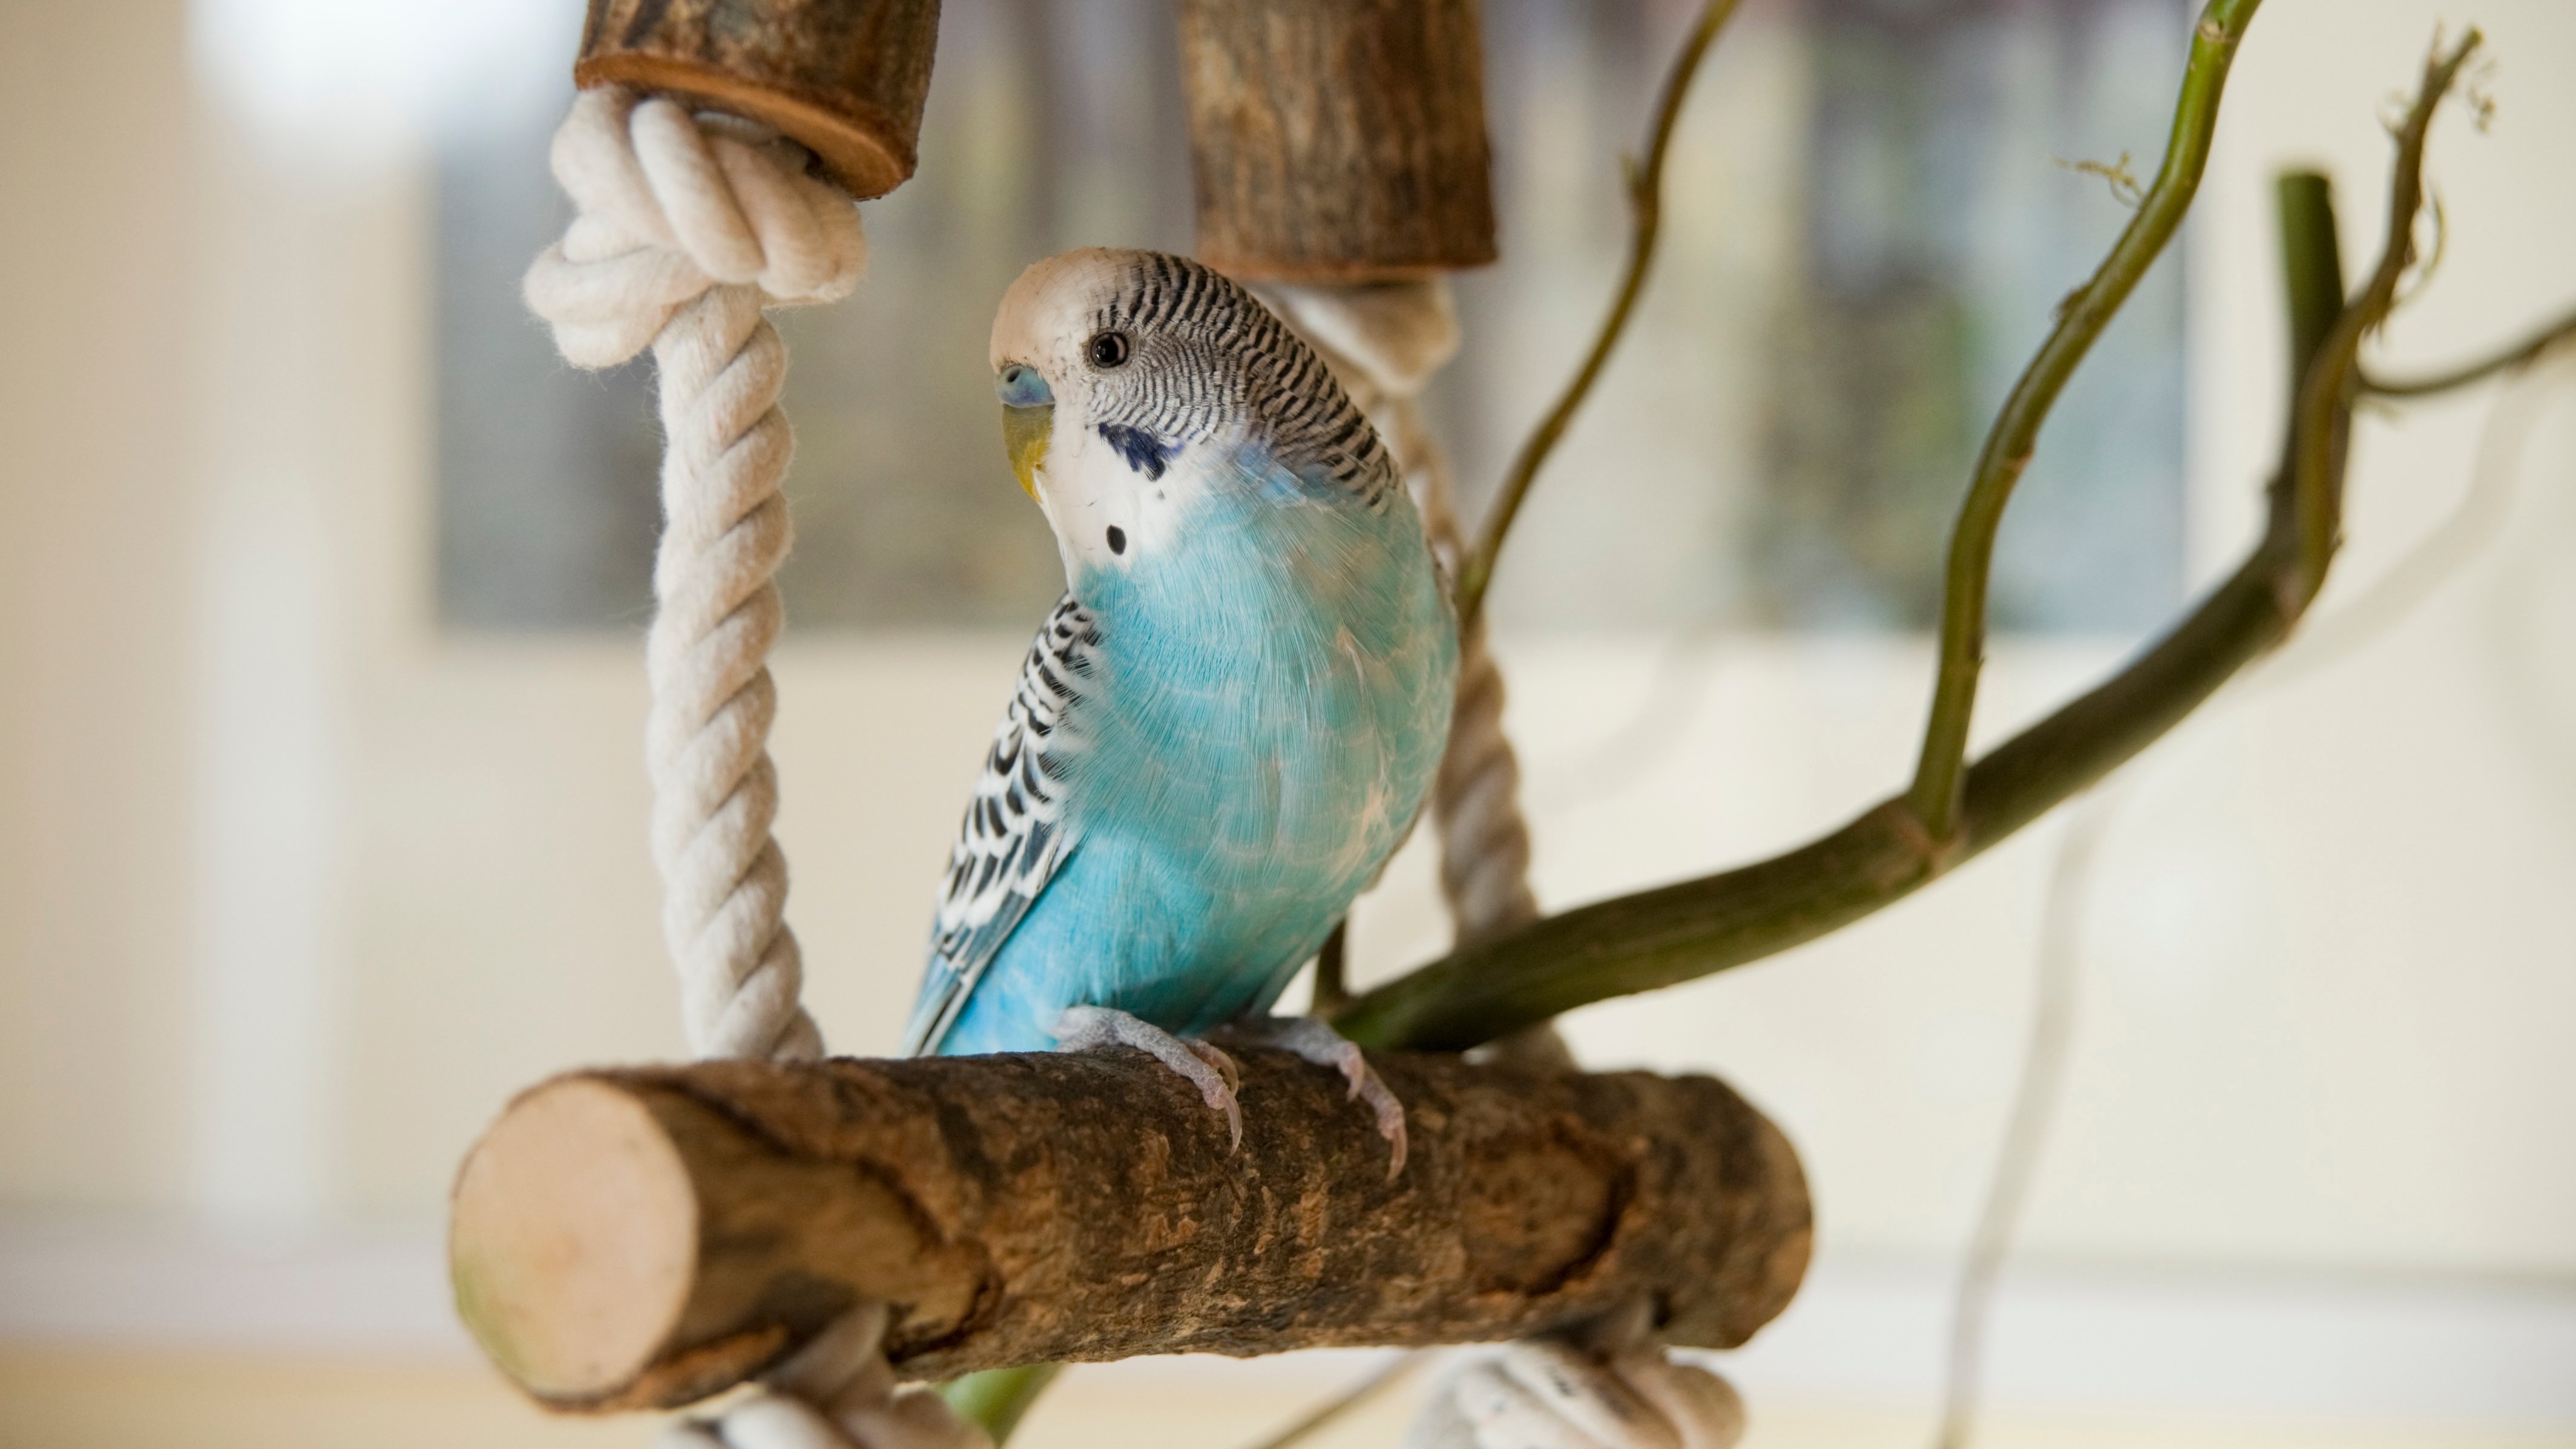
(847, 78)
(1338, 141)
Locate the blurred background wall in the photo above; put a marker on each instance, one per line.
(321, 811)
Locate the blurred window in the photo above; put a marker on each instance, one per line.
(1872, 211)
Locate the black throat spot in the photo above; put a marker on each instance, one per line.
(1143, 451)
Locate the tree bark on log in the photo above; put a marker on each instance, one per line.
(845, 77)
(1338, 140)
(644, 1238)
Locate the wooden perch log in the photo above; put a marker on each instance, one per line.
(644, 1238)
(845, 77)
(1338, 140)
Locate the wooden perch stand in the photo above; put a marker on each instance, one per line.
(647, 1237)
(644, 1238)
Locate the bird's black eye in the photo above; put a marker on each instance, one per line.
(1106, 350)
(1117, 539)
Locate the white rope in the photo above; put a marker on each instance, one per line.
(835, 1393)
(686, 228)
(684, 233)
(1385, 342)
(1484, 839)
(1545, 1393)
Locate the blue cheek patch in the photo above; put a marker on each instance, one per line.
(1143, 451)
(1020, 387)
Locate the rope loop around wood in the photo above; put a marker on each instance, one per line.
(687, 228)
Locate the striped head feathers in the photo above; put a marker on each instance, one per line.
(1119, 371)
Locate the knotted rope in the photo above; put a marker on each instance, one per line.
(684, 232)
(686, 228)
(1385, 342)
(1549, 1393)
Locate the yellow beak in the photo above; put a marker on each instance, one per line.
(1024, 436)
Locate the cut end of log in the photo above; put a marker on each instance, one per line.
(574, 1240)
(846, 78)
(857, 152)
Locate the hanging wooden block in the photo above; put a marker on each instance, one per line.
(845, 77)
(1338, 140)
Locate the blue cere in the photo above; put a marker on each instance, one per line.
(1020, 387)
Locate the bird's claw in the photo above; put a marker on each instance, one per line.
(1314, 1039)
(1083, 1028)
(1224, 1065)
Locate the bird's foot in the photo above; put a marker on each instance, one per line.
(1313, 1038)
(1082, 1028)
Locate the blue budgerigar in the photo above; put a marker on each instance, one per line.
(1232, 717)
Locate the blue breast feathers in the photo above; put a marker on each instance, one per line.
(1261, 719)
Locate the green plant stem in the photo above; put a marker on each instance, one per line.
(1938, 778)
(1332, 971)
(2313, 257)
(1323, 1415)
(1680, 932)
(2512, 357)
(1644, 183)
(997, 1398)
(2035, 1102)
(2323, 410)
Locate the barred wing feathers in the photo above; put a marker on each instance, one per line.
(1015, 836)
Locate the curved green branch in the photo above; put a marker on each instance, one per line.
(1680, 932)
(997, 1399)
(2322, 411)
(2520, 354)
(1645, 188)
(1935, 794)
